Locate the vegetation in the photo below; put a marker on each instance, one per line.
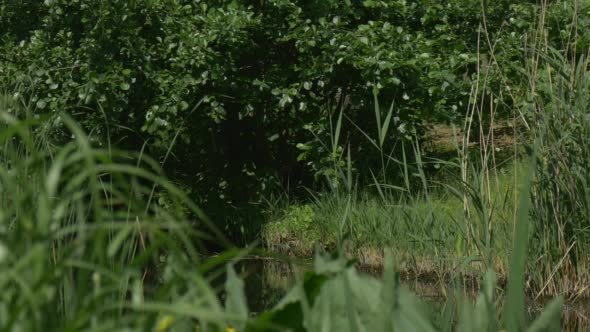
(94, 256)
(256, 81)
(453, 210)
(452, 139)
(560, 196)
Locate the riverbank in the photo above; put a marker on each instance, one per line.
(267, 280)
(440, 236)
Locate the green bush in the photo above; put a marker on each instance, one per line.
(246, 80)
(294, 231)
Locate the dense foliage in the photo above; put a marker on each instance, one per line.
(241, 96)
(238, 99)
(263, 70)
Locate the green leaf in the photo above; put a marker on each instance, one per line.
(183, 105)
(515, 311)
(288, 317)
(337, 134)
(118, 240)
(41, 104)
(550, 318)
(235, 302)
(385, 128)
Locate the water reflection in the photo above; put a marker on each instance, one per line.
(267, 281)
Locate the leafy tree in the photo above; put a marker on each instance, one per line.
(234, 87)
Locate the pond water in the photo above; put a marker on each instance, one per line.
(267, 281)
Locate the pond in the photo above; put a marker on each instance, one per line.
(267, 281)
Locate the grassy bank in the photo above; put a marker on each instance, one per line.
(456, 214)
(429, 237)
(450, 227)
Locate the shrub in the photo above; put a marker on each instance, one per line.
(235, 86)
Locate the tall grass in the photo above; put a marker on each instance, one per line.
(83, 247)
(562, 189)
(83, 243)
